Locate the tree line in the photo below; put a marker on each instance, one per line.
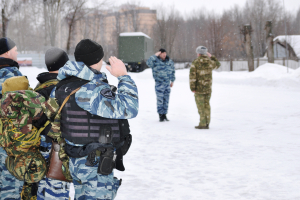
(36, 25)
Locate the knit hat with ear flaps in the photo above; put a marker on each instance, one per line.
(6, 44)
(89, 52)
(201, 50)
(55, 58)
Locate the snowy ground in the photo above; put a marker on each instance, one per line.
(251, 150)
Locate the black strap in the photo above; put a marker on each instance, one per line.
(69, 80)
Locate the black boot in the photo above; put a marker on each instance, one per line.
(161, 117)
(165, 117)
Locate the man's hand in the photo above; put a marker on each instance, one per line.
(117, 67)
(172, 83)
(157, 53)
(208, 54)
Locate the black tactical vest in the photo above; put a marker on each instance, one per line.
(79, 126)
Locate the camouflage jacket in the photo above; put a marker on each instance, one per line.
(96, 96)
(8, 68)
(47, 82)
(163, 71)
(201, 74)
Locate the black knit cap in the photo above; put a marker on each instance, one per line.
(55, 58)
(162, 50)
(6, 44)
(89, 52)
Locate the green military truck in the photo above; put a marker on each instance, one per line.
(134, 50)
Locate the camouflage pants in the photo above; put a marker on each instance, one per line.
(51, 189)
(10, 186)
(162, 95)
(202, 101)
(89, 184)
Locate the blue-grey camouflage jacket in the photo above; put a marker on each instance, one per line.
(122, 105)
(7, 70)
(163, 70)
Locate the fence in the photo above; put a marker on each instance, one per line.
(38, 60)
(242, 65)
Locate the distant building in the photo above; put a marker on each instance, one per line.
(291, 42)
(105, 26)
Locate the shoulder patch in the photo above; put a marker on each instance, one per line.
(106, 92)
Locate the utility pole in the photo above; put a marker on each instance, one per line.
(286, 44)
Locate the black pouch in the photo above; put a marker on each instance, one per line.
(107, 162)
(105, 134)
(127, 143)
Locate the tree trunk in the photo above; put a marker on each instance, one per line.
(270, 37)
(46, 22)
(71, 24)
(69, 39)
(248, 46)
(4, 23)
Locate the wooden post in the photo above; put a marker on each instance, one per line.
(249, 49)
(257, 63)
(231, 64)
(270, 37)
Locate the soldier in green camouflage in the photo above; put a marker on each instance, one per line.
(201, 82)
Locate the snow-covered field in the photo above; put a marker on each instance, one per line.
(251, 151)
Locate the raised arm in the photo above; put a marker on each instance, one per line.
(217, 63)
(124, 104)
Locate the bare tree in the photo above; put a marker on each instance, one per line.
(52, 11)
(74, 13)
(167, 28)
(131, 13)
(215, 34)
(8, 7)
(257, 12)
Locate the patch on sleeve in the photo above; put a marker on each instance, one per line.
(106, 92)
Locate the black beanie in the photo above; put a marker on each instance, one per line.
(6, 44)
(162, 50)
(55, 58)
(89, 52)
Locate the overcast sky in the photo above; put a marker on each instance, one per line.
(186, 6)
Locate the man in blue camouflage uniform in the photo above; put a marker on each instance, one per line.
(164, 75)
(55, 58)
(10, 186)
(96, 100)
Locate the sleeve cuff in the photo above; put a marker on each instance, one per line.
(124, 77)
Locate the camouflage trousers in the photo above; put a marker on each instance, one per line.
(51, 189)
(202, 101)
(162, 95)
(89, 184)
(10, 186)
